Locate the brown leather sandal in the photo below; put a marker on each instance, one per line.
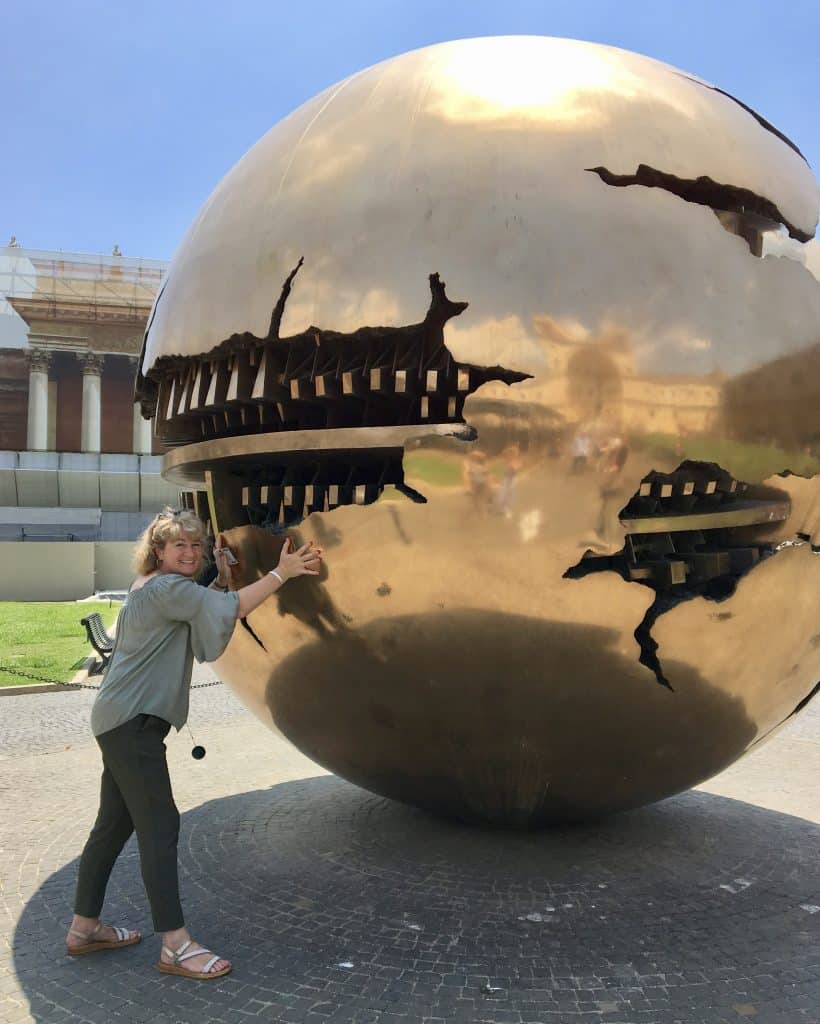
(181, 955)
(91, 945)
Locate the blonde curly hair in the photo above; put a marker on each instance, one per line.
(169, 525)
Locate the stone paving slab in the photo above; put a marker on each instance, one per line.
(338, 906)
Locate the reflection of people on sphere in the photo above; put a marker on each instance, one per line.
(166, 621)
(477, 480)
(581, 451)
(613, 454)
(505, 496)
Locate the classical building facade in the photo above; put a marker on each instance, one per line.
(77, 460)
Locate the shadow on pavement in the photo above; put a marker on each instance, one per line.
(336, 905)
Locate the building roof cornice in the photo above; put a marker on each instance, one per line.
(39, 309)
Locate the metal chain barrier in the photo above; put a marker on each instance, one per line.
(81, 686)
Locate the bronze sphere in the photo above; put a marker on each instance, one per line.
(568, 498)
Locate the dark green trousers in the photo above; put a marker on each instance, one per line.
(135, 795)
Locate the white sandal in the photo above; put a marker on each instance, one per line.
(124, 938)
(181, 955)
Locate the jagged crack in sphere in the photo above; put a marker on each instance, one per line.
(521, 331)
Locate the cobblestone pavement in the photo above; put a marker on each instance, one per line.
(337, 906)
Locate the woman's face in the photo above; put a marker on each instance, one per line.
(183, 556)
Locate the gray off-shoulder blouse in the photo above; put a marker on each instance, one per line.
(161, 628)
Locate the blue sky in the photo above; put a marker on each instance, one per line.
(119, 119)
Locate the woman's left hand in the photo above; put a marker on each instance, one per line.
(304, 561)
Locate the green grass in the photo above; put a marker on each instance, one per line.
(749, 462)
(440, 469)
(47, 638)
(434, 468)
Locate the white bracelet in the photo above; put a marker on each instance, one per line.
(273, 572)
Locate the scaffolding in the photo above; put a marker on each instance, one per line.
(95, 283)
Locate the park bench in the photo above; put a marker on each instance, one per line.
(98, 638)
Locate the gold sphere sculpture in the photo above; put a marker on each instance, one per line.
(521, 331)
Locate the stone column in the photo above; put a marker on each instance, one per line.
(37, 434)
(142, 433)
(141, 430)
(92, 365)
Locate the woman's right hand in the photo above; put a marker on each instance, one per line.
(305, 561)
(223, 559)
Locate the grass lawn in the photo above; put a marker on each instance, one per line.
(47, 638)
(436, 468)
(444, 469)
(749, 462)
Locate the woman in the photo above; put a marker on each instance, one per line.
(166, 621)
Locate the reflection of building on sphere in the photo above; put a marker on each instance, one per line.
(554, 469)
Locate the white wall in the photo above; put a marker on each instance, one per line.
(62, 571)
(112, 564)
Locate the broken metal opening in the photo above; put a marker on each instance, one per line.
(318, 380)
(691, 533)
(766, 125)
(280, 494)
(249, 629)
(740, 211)
(797, 709)
(806, 700)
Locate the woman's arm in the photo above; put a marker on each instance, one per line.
(302, 562)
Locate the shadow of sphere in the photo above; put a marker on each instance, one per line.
(296, 881)
(465, 713)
